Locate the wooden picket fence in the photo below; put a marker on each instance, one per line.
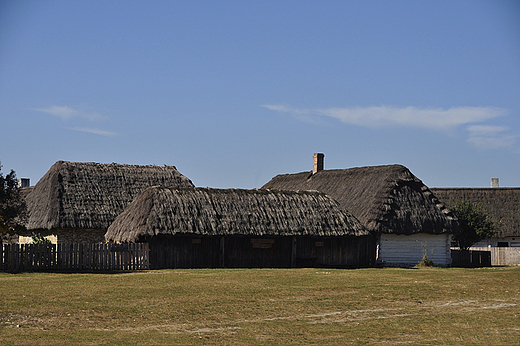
(74, 257)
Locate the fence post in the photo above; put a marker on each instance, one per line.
(32, 254)
(145, 255)
(18, 263)
(74, 256)
(24, 255)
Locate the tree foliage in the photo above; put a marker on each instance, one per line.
(475, 224)
(40, 239)
(12, 204)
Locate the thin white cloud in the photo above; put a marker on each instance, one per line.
(432, 118)
(77, 117)
(481, 136)
(486, 130)
(304, 115)
(93, 116)
(490, 137)
(66, 113)
(286, 109)
(95, 131)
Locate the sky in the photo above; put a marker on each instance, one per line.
(233, 93)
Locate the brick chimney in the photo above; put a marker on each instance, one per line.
(494, 183)
(317, 162)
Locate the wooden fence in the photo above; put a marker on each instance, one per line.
(470, 258)
(503, 256)
(74, 257)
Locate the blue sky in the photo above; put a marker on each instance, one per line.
(234, 92)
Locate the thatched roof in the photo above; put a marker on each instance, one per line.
(501, 204)
(386, 199)
(206, 211)
(90, 195)
(24, 191)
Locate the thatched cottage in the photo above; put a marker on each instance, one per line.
(501, 204)
(388, 200)
(204, 227)
(77, 201)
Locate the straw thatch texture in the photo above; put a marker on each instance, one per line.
(501, 204)
(90, 195)
(25, 191)
(206, 211)
(386, 199)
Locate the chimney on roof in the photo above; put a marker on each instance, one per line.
(317, 162)
(24, 182)
(494, 183)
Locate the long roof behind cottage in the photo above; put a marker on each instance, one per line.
(501, 204)
(206, 211)
(90, 195)
(386, 199)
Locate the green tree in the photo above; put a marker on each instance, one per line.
(12, 204)
(475, 224)
(39, 239)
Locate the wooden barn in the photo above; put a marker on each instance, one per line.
(501, 204)
(204, 227)
(77, 201)
(389, 201)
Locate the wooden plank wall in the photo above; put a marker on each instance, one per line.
(187, 251)
(502, 256)
(339, 252)
(408, 250)
(74, 257)
(258, 252)
(505, 256)
(184, 252)
(470, 258)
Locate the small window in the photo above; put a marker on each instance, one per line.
(503, 244)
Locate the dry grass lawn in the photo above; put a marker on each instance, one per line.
(429, 306)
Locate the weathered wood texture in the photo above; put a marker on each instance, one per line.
(74, 257)
(470, 258)
(349, 252)
(502, 256)
(258, 252)
(408, 250)
(184, 252)
(187, 251)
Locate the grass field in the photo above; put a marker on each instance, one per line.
(429, 306)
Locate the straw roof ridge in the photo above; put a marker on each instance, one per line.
(90, 195)
(386, 198)
(208, 211)
(501, 204)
